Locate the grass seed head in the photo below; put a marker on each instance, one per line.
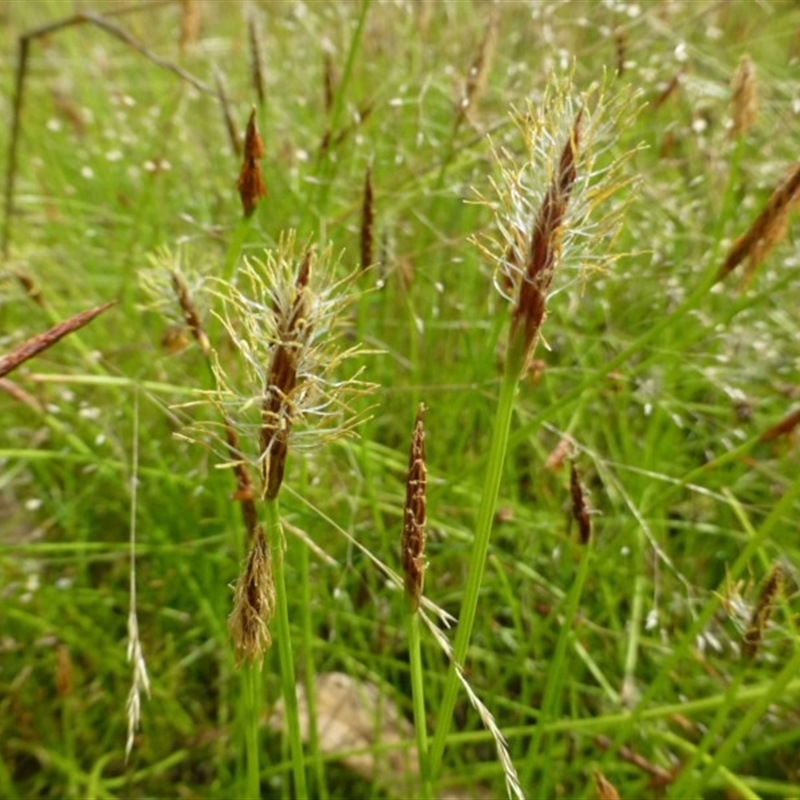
(744, 98)
(414, 516)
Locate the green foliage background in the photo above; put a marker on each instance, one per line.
(119, 157)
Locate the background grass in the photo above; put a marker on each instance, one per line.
(119, 157)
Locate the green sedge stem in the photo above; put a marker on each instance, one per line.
(250, 685)
(556, 673)
(477, 564)
(284, 637)
(418, 699)
(308, 659)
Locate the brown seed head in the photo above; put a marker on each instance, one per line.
(251, 183)
(413, 540)
(253, 604)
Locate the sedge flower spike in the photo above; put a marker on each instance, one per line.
(547, 204)
(283, 317)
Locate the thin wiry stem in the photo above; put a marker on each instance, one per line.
(141, 682)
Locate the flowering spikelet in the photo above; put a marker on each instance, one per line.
(754, 635)
(413, 541)
(251, 183)
(282, 317)
(293, 330)
(544, 212)
(253, 604)
(767, 230)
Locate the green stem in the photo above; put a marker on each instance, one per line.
(748, 722)
(556, 673)
(284, 637)
(252, 706)
(418, 699)
(308, 658)
(328, 165)
(741, 789)
(477, 564)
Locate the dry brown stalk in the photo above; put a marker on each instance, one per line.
(256, 57)
(367, 221)
(23, 51)
(30, 286)
(621, 46)
(244, 488)
(768, 229)
(479, 69)
(659, 777)
(190, 312)
(253, 604)
(190, 23)
(562, 451)
(413, 539)
(20, 395)
(276, 412)
(670, 89)
(529, 312)
(227, 113)
(782, 428)
(328, 82)
(579, 508)
(754, 635)
(744, 99)
(251, 183)
(43, 341)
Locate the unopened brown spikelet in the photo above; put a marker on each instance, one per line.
(768, 228)
(579, 508)
(414, 516)
(754, 635)
(251, 183)
(367, 222)
(604, 789)
(43, 341)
